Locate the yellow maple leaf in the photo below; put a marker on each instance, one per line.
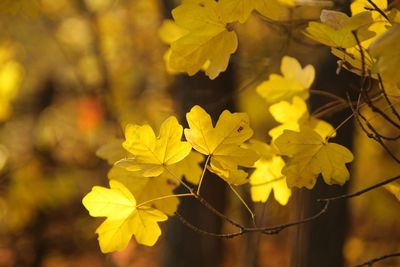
(189, 167)
(267, 176)
(385, 50)
(124, 218)
(208, 40)
(351, 58)
(274, 9)
(169, 32)
(222, 143)
(336, 29)
(294, 80)
(240, 10)
(310, 155)
(146, 189)
(295, 114)
(152, 154)
(112, 151)
(236, 10)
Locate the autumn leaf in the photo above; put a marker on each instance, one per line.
(152, 154)
(293, 115)
(236, 10)
(294, 81)
(267, 176)
(336, 29)
(124, 218)
(150, 188)
(222, 143)
(208, 40)
(240, 10)
(274, 9)
(351, 58)
(189, 167)
(310, 155)
(169, 32)
(112, 151)
(385, 50)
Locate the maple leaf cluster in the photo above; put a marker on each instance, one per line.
(148, 168)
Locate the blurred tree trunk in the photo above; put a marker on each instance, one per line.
(320, 243)
(184, 247)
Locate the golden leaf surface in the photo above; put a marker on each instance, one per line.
(310, 155)
(152, 154)
(124, 218)
(294, 81)
(222, 143)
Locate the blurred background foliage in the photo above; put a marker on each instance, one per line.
(74, 72)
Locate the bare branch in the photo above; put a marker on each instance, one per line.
(380, 11)
(381, 258)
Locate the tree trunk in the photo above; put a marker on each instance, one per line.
(320, 243)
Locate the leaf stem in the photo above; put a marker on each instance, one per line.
(179, 180)
(243, 202)
(202, 175)
(164, 197)
(327, 94)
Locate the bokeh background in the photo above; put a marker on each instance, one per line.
(73, 73)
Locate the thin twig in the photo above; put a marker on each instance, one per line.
(276, 229)
(375, 260)
(163, 197)
(202, 175)
(245, 230)
(327, 94)
(243, 202)
(394, 111)
(363, 191)
(380, 11)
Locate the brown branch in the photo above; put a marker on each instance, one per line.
(245, 230)
(213, 210)
(374, 135)
(380, 11)
(393, 109)
(363, 191)
(364, 92)
(277, 229)
(375, 260)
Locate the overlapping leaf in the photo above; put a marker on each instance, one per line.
(222, 143)
(295, 114)
(148, 188)
(152, 154)
(124, 219)
(239, 10)
(208, 40)
(351, 57)
(310, 155)
(336, 29)
(294, 81)
(267, 176)
(385, 50)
